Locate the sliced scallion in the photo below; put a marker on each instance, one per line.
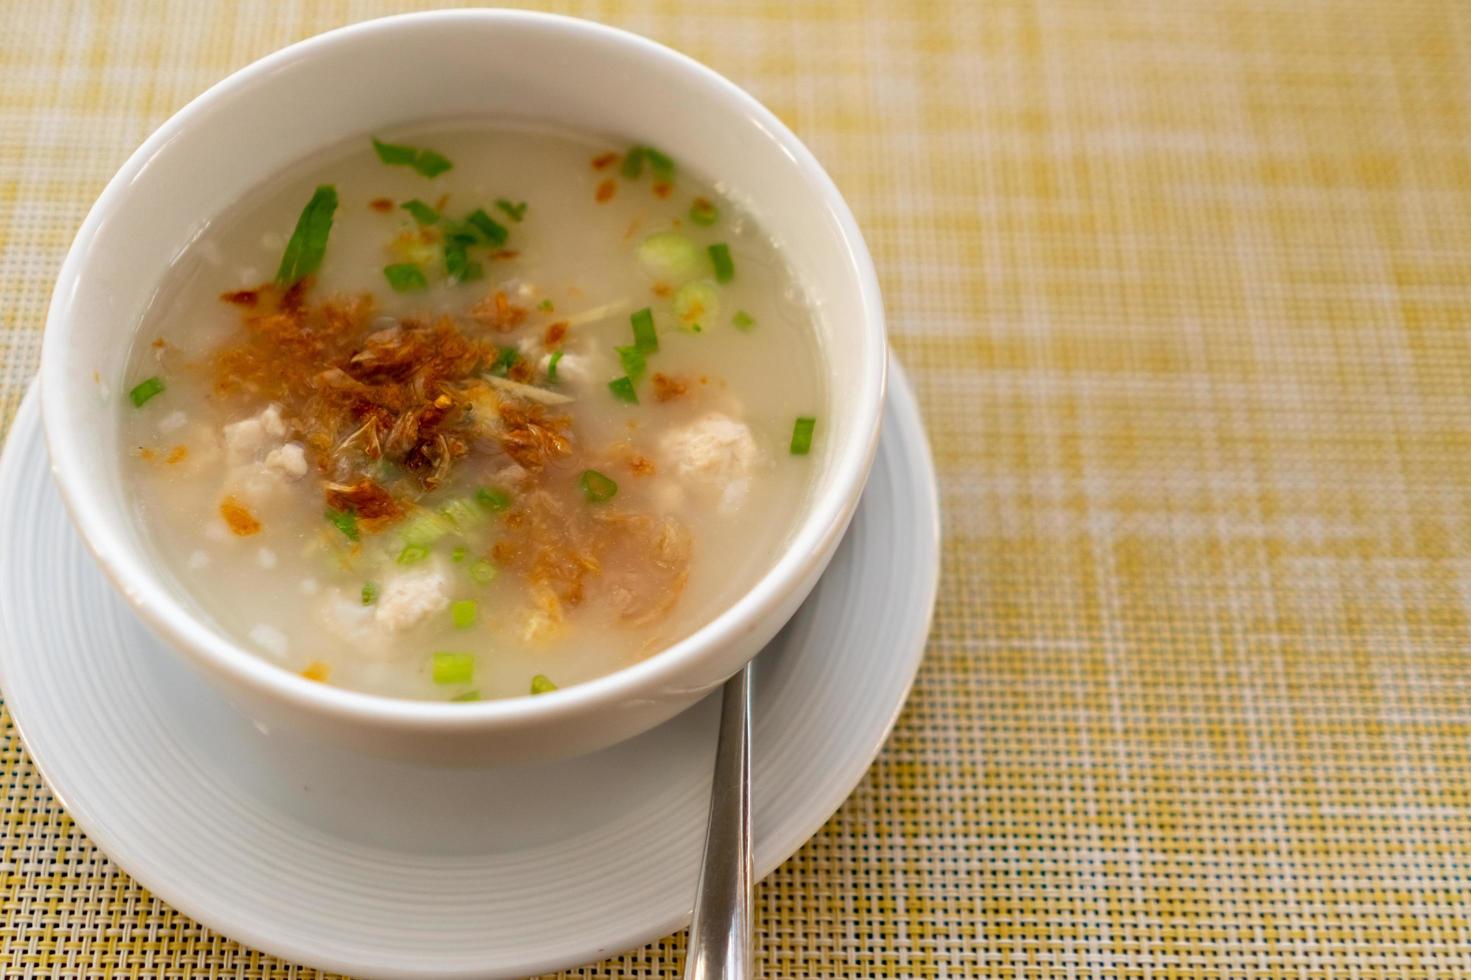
(545, 306)
(345, 521)
(661, 165)
(453, 668)
(370, 593)
(542, 684)
(633, 363)
(503, 363)
(423, 213)
(633, 163)
(623, 390)
(463, 613)
(461, 234)
(743, 320)
(457, 264)
(483, 572)
(427, 162)
(394, 154)
(459, 555)
(552, 365)
(720, 258)
(412, 553)
(425, 528)
(802, 435)
(405, 277)
(670, 257)
(644, 337)
(145, 390)
(308, 243)
(597, 487)
(431, 164)
(514, 211)
(491, 230)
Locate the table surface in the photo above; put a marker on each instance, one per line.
(1185, 286)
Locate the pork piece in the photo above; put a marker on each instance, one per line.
(715, 454)
(249, 439)
(412, 597)
(259, 459)
(404, 601)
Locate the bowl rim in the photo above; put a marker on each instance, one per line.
(131, 572)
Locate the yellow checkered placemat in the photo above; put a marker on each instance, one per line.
(1185, 286)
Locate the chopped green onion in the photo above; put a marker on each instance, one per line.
(431, 164)
(462, 514)
(513, 211)
(661, 165)
(697, 302)
(633, 163)
(459, 555)
(345, 521)
(461, 234)
(463, 613)
(453, 668)
(423, 213)
(671, 257)
(724, 267)
(622, 389)
(370, 593)
(802, 435)
(545, 306)
(633, 363)
(308, 243)
(145, 390)
(427, 162)
(405, 277)
(483, 572)
(596, 487)
(743, 320)
(491, 230)
(457, 264)
(412, 553)
(492, 498)
(552, 365)
(503, 363)
(425, 528)
(702, 212)
(542, 684)
(395, 155)
(467, 696)
(644, 337)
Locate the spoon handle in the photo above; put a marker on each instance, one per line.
(720, 935)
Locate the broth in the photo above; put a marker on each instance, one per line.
(478, 430)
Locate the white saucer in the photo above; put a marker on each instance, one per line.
(377, 869)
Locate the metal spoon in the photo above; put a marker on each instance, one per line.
(720, 934)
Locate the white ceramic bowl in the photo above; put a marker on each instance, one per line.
(385, 73)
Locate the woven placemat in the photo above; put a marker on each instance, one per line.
(1186, 289)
